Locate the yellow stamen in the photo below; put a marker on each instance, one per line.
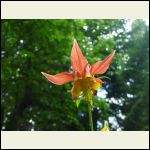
(85, 84)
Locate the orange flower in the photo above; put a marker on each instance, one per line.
(84, 82)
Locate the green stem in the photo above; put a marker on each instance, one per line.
(90, 116)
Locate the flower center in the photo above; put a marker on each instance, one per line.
(85, 85)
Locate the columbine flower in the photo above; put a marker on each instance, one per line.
(84, 82)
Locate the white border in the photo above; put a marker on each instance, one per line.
(74, 9)
(75, 139)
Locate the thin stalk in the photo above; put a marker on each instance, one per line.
(104, 77)
(90, 116)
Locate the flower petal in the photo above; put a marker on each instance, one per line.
(96, 86)
(105, 128)
(60, 78)
(75, 91)
(101, 67)
(94, 91)
(99, 80)
(78, 61)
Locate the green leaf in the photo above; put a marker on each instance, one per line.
(78, 102)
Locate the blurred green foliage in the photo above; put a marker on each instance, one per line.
(30, 102)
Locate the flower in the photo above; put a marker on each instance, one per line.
(106, 127)
(84, 82)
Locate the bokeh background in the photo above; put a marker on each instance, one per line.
(30, 102)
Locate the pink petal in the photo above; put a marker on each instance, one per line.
(99, 80)
(60, 78)
(78, 61)
(101, 67)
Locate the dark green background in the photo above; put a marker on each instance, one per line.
(30, 102)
